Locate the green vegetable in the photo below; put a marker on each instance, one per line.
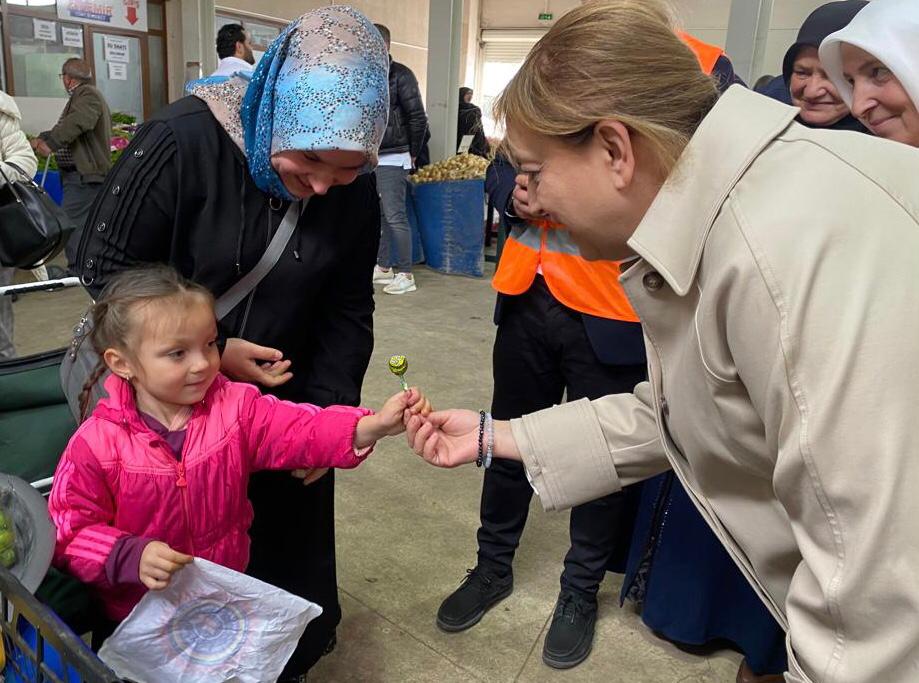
(4, 522)
(8, 557)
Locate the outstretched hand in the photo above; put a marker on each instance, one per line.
(447, 438)
(392, 418)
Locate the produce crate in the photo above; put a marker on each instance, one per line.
(450, 220)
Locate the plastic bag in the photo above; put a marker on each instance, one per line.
(210, 624)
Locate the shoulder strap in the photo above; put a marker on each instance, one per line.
(229, 300)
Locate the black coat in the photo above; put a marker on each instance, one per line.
(181, 194)
(469, 122)
(408, 123)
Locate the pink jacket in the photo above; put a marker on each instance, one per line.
(118, 478)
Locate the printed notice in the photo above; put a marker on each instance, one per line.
(117, 71)
(116, 49)
(73, 37)
(45, 30)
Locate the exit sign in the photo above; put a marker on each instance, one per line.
(545, 16)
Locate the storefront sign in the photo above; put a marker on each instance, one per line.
(129, 14)
(73, 37)
(116, 49)
(45, 30)
(117, 71)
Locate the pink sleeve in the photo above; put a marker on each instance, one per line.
(286, 436)
(82, 509)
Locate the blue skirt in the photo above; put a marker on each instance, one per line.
(689, 588)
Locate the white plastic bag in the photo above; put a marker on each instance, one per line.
(210, 624)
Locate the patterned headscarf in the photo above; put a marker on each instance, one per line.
(322, 85)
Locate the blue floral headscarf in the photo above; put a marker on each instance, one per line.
(322, 85)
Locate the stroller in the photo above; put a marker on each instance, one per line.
(35, 426)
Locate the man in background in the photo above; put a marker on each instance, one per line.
(403, 142)
(234, 49)
(81, 141)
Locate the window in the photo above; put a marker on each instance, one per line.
(38, 52)
(502, 56)
(261, 33)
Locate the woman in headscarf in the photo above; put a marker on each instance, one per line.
(203, 187)
(470, 123)
(875, 65)
(808, 86)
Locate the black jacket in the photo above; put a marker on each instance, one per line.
(470, 123)
(181, 194)
(408, 123)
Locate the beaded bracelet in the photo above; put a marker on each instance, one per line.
(478, 460)
(490, 440)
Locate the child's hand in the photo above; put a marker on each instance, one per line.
(158, 563)
(391, 418)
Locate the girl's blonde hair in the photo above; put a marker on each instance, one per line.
(114, 314)
(612, 59)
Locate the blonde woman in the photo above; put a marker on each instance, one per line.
(17, 161)
(781, 336)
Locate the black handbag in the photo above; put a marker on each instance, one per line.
(33, 228)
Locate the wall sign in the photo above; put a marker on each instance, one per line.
(45, 30)
(73, 37)
(129, 14)
(117, 71)
(116, 49)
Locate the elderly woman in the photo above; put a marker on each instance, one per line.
(781, 339)
(809, 86)
(875, 65)
(205, 184)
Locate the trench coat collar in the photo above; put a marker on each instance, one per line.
(672, 233)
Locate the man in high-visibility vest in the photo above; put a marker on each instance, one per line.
(565, 329)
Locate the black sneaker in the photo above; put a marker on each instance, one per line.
(479, 592)
(571, 635)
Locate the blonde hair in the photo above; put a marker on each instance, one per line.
(113, 314)
(612, 59)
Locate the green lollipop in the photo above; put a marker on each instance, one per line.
(398, 366)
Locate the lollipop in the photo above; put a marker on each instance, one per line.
(397, 366)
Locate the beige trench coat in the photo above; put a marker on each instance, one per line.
(778, 286)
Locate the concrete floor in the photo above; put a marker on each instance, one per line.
(406, 531)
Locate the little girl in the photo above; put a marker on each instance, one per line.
(158, 473)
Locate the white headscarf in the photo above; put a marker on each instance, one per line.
(887, 29)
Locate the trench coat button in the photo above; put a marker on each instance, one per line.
(89, 263)
(139, 153)
(665, 407)
(101, 227)
(653, 281)
(116, 190)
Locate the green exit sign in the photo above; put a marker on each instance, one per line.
(545, 16)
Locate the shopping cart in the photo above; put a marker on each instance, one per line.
(39, 647)
(35, 426)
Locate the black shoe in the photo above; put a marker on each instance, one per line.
(571, 635)
(480, 591)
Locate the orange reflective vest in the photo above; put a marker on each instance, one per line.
(590, 287)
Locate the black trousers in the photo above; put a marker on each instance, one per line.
(293, 547)
(541, 352)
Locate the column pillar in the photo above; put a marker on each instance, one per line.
(748, 28)
(445, 45)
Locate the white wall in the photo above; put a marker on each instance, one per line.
(705, 19)
(407, 21)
